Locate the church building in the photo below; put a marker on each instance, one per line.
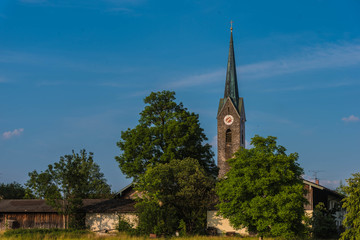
(231, 136)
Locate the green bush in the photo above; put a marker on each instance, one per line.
(125, 226)
(323, 223)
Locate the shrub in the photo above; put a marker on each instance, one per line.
(323, 223)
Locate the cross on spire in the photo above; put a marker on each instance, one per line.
(231, 28)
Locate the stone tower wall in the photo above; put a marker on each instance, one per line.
(227, 150)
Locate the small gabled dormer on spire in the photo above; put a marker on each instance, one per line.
(231, 85)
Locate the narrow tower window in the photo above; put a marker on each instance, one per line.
(228, 136)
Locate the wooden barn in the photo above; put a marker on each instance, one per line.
(32, 213)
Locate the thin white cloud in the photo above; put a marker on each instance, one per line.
(10, 134)
(89, 4)
(331, 184)
(328, 56)
(248, 145)
(325, 57)
(32, 1)
(313, 87)
(199, 79)
(351, 118)
(120, 9)
(213, 142)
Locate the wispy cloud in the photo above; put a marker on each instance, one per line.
(313, 86)
(327, 56)
(248, 144)
(273, 118)
(59, 61)
(331, 184)
(324, 57)
(351, 118)
(108, 5)
(33, 1)
(213, 142)
(199, 79)
(10, 134)
(120, 9)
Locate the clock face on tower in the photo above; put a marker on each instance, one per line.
(228, 119)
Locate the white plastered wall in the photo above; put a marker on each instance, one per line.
(222, 224)
(108, 221)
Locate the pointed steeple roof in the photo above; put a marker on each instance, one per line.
(231, 85)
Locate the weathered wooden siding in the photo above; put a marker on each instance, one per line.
(309, 195)
(33, 220)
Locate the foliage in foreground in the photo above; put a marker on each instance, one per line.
(46, 233)
(323, 223)
(176, 196)
(60, 234)
(351, 204)
(65, 183)
(263, 190)
(166, 131)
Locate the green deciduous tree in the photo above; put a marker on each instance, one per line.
(65, 183)
(166, 131)
(263, 190)
(12, 190)
(176, 196)
(351, 203)
(323, 224)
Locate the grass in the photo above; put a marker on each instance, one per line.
(68, 234)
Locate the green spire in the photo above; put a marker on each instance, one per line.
(231, 85)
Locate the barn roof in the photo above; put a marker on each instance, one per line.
(36, 205)
(112, 206)
(22, 205)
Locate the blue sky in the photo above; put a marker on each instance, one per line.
(73, 75)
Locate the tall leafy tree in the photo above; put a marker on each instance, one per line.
(65, 183)
(263, 190)
(175, 195)
(351, 203)
(12, 190)
(166, 131)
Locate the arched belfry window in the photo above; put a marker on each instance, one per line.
(228, 136)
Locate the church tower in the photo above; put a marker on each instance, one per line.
(231, 116)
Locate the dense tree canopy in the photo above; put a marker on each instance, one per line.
(351, 204)
(72, 179)
(166, 131)
(12, 190)
(175, 195)
(263, 190)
